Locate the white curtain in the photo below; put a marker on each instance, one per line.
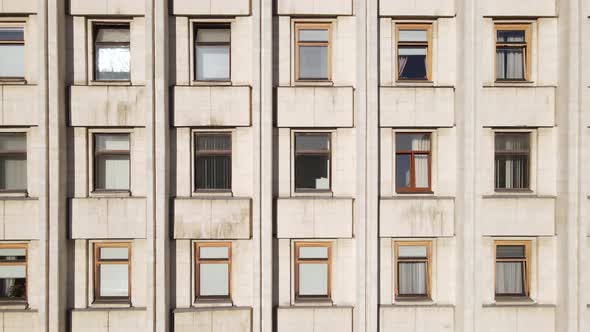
(402, 61)
(421, 143)
(213, 62)
(412, 278)
(509, 278)
(510, 64)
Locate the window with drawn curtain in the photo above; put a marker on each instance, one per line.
(512, 53)
(12, 52)
(111, 162)
(212, 52)
(412, 162)
(511, 269)
(213, 161)
(512, 161)
(13, 162)
(413, 52)
(413, 261)
(111, 52)
(13, 272)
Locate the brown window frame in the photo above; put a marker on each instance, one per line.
(412, 153)
(297, 153)
(197, 154)
(15, 153)
(97, 262)
(427, 260)
(13, 25)
(96, 154)
(527, 266)
(313, 26)
(527, 153)
(196, 43)
(199, 261)
(428, 44)
(327, 261)
(25, 263)
(526, 27)
(96, 26)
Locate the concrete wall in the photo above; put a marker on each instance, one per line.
(314, 319)
(315, 106)
(217, 218)
(221, 319)
(107, 7)
(211, 7)
(315, 217)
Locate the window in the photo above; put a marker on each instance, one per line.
(111, 162)
(313, 264)
(112, 271)
(413, 162)
(213, 271)
(512, 268)
(512, 52)
(313, 52)
(13, 162)
(212, 52)
(414, 52)
(512, 161)
(213, 161)
(12, 52)
(111, 52)
(413, 269)
(13, 272)
(312, 161)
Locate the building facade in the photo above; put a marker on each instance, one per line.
(294, 165)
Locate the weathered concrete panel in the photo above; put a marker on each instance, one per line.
(314, 7)
(105, 320)
(417, 8)
(217, 218)
(315, 106)
(304, 319)
(314, 217)
(20, 6)
(417, 217)
(108, 217)
(107, 106)
(212, 106)
(417, 318)
(518, 106)
(417, 107)
(518, 319)
(211, 7)
(18, 105)
(232, 319)
(20, 321)
(509, 8)
(518, 216)
(20, 219)
(107, 7)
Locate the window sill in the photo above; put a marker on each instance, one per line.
(13, 81)
(511, 301)
(200, 303)
(412, 193)
(110, 193)
(312, 83)
(414, 82)
(110, 83)
(414, 301)
(111, 304)
(14, 194)
(509, 84)
(323, 302)
(211, 83)
(313, 193)
(212, 193)
(13, 305)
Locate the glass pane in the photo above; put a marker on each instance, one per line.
(421, 171)
(313, 35)
(412, 278)
(313, 252)
(412, 142)
(412, 63)
(213, 142)
(412, 251)
(114, 253)
(114, 280)
(413, 36)
(305, 142)
(112, 172)
(510, 251)
(510, 64)
(112, 62)
(312, 172)
(213, 35)
(213, 172)
(509, 278)
(212, 63)
(512, 172)
(402, 171)
(13, 172)
(12, 60)
(13, 271)
(13, 287)
(313, 279)
(112, 35)
(214, 252)
(13, 142)
(214, 280)
(12, 34)
(511, 142)
(105, 142)
(313, 62)
(511, 36)
(13, 255)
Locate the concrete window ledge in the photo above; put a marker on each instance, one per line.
(200, 309)
(517, 196)
(230, 319)
(518, 304)
(525, 215)
(417, 197)
(417, 304)
(108, 309)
